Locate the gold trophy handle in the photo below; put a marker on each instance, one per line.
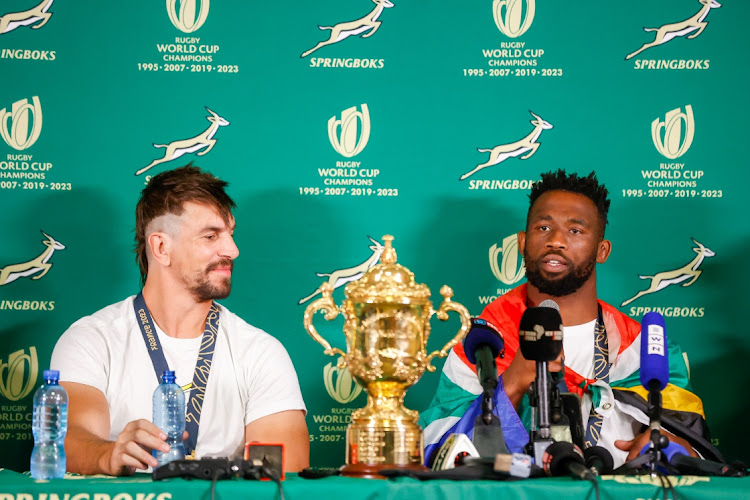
(325, 302)
(442, 314)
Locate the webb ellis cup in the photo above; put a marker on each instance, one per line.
(387, 324)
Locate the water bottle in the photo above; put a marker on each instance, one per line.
(169, 416)
(49, 425)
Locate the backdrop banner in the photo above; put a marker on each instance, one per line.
(338, 121)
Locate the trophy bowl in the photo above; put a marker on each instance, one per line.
(386, 325)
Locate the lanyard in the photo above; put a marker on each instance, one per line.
(202, 366)
(601, 372)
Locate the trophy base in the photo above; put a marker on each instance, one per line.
(370, 471)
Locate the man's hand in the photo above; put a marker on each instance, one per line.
(87, 445)
(521, 373)
(635, 445)
(132, 449)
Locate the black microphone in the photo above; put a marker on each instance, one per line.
(599, 460)
(687, 465)
(565, 459)
(679, 458)
(540, 333)
(540, 337)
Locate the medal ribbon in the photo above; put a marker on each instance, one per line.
(202, 366)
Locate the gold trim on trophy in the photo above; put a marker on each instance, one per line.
(386, 325)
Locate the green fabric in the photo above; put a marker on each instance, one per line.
(140, 487)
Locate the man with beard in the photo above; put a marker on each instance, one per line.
(239, 381)
(562, 243)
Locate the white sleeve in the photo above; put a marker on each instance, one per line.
(271, 382)
(81, 355)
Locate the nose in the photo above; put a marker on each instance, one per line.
(229, 248)
(557, 239)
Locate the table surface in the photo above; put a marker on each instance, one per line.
(17, 486)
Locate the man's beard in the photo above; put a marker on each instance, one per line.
(565, 285)
(202, 288)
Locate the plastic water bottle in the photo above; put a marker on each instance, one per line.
(49, 425)
(169, 416)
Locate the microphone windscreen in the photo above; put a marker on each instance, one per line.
(654, 352)
(557, 457)
(540, 334)
(550, 303)
(600, 459)
(482, 332)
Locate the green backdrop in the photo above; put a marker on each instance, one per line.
(369, 136)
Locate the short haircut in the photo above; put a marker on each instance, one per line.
(588, 186)
(167, 193)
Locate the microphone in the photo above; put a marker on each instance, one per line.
(540, 333)
(541, 340)
(654, 352)
(679, 458)
(565, 459)
(654, 374)
(482, 345)
(654, 371)
(599, 460)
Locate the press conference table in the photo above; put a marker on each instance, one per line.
(16, 486)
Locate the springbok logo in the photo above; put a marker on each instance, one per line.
(689, 271)
(692, 26)
(18, 134)
(18, 375)
(189, 18)
(526, 147)
(667, 135)
(14, 20)
(509, 271)
(344, 135)
(344, 389)
(205, 141)
(367, 25)
(39, 264)
(510, 17)
(342, 276)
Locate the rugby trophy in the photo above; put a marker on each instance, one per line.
(386, 325)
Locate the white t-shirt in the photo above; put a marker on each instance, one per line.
(251, 374)
(578, 346)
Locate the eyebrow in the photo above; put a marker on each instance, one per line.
(548, 217)
(218, 229)
(579, 222)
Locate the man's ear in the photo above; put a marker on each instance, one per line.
(603, 251)
(522, 241)
(160, 247)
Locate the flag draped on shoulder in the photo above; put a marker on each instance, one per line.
(457, 401)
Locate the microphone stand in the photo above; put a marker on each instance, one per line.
(658, 440)
(488, 431)
(541, 436)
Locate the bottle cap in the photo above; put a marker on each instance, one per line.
(51, 375)
(168, 376)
